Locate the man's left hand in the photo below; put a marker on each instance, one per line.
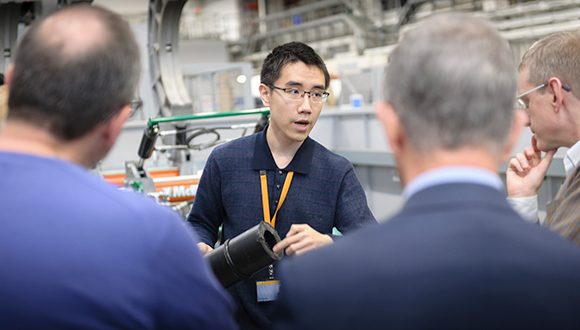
(302, 238)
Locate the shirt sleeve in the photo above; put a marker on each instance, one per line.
(207, 212)
(526, 207)
(188, 294)
(352, 208)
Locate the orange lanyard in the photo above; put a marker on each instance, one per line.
(265, 203)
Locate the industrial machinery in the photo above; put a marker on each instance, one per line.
(168, 87)
(15, 14)
(179, 136)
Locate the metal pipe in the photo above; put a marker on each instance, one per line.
(157, 120)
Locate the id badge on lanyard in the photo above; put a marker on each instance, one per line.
(268, 290)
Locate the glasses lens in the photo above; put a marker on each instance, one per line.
(136, 104)
(522, 104)
(297, 94)
(293, 94)
(316, 96)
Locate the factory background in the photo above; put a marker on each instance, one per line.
(204, 56)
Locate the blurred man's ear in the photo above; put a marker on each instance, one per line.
(514, 134)
(391, 124)
(114, 126)
(101, 139)
(8, 75)
(265, 95)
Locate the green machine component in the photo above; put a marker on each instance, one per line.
(138, 179)
(152, 131)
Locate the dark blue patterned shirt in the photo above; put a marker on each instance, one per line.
(324, 193)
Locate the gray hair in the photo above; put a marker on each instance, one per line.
(557, 55)
(452, 81)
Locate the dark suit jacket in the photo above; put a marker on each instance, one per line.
(456, 257)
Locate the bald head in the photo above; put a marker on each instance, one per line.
(75, 31)
(73, 69)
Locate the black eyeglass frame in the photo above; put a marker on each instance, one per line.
(135, 104)
(323, 100)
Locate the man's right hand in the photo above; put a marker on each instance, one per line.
(527, 170)
(204, 248)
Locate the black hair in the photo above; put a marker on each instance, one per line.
(291, 52)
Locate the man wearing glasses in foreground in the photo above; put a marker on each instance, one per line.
(321, 189)
(549, 84)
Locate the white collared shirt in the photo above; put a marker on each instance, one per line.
(452, 174)
(572, 158)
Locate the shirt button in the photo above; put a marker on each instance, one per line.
(277, 186)
(276, 202)
(280, 172)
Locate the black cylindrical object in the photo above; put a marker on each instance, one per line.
(148, 142)
(180, 138)
(262, 122)
(240, 257)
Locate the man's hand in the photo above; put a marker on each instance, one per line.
(204, 248)
(526, 171)
(302, 238)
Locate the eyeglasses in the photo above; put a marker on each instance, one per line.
(136, 104)
(294, 94)
(521, 102)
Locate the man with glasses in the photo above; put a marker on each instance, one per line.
(75, 251)
(308, 189)
(549, 83)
